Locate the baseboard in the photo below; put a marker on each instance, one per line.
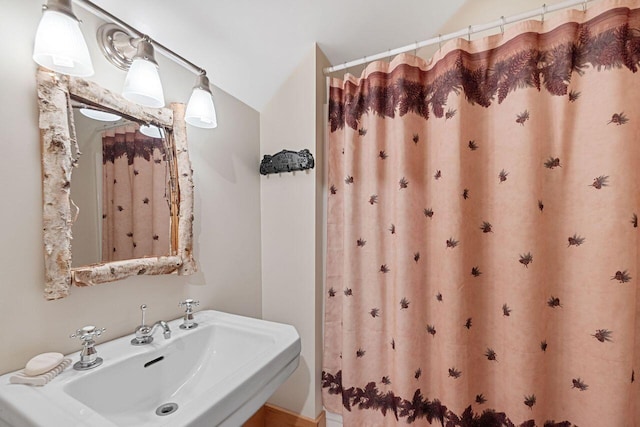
(333, 420)
(273, 416)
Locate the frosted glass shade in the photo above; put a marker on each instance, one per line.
(60, 45)
(142, 84)
(102, 116)
(151, 131)
(200, 110)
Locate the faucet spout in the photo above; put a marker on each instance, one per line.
(166, 331)
(144, 333)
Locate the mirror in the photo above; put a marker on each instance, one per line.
(121, 189)
(167, 246)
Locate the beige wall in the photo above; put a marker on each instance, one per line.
(227, 211)
(291, 206)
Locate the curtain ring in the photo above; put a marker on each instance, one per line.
(439, 41)
(502, 24)
(469, 31)
(415, 49)
(584, 5)
(544, 11)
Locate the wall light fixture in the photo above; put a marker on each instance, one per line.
(142, 84)
(126, 48)
(200, 110)
(60, 45)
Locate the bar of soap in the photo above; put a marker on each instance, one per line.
(42, 363)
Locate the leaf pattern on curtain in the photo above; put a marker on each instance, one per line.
(136, 216)
(482, 231)
(144, 147)
(551, 69)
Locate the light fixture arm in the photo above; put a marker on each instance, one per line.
(144, 50)
(202, 82)
(101, 13)
(129, 49)
(60, 6)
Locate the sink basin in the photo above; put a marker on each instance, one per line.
(217, 374)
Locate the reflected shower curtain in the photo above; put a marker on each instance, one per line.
(482, 261)
(135, 199)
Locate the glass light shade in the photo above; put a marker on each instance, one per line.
(142, 84)
(102, 116)
(150, 131)
(200, 110)
(60, 45)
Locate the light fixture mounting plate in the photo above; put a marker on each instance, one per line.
(117, 45)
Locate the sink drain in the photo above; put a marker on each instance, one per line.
(166, 409)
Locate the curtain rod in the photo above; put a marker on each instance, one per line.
(460, 33)
(101, 13)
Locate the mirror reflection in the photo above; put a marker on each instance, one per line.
(120, 188)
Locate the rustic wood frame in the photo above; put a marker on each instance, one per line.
(57, 137)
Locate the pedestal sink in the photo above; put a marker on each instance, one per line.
(217, 374)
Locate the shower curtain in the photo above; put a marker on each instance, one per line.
(482, 254)
(135, 199)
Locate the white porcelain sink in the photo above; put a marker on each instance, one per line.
(218, 374)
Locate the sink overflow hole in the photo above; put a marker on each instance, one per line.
(151, 362)
(166, 409)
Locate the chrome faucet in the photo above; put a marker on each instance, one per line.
(187, 321)
(88, 355)
(144, 333)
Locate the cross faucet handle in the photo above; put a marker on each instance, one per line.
(189, 304)
(88, 355)
(188, 322)
(87, 333)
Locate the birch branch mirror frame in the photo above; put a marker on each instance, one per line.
(57, 137)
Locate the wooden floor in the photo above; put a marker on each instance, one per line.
(273, 416)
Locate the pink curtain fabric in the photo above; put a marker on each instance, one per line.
(135, 197)
(482, 260)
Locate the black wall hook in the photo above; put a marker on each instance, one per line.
(287, 161)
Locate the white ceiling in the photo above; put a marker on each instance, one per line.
(249, 47)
